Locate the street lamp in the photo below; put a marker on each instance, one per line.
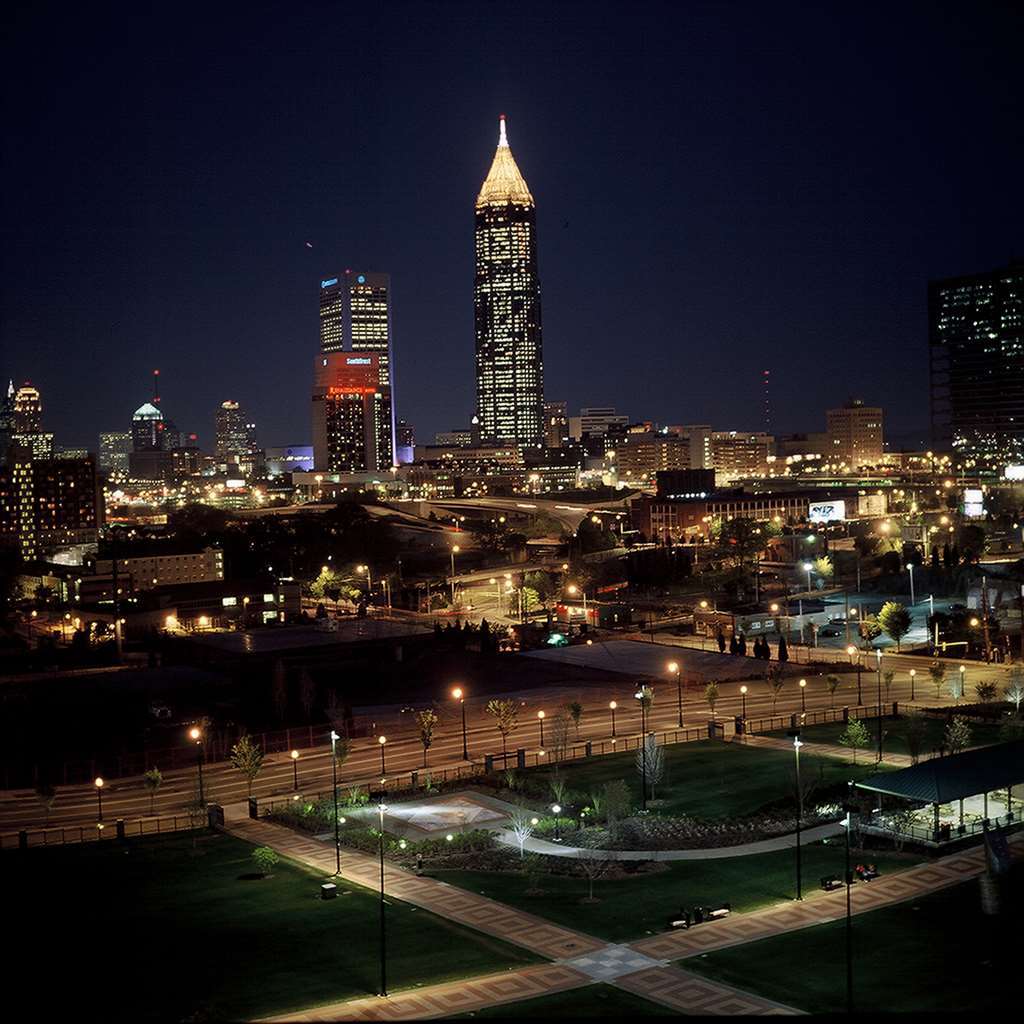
(674, 667)
(197, 738)
(878, 660)
(797, 744)
(540, 718)
(383, 931)
(369, 578)
(807, 569)
(854, 653)
(383, 770)
(848, 824)
(642, 696)
(612, 705)
(963, 669)
(556, 810)
(913, 673)
(295, 770)
(454, 552)
(334, 779)
(743, 694)
(803, 696)
(573, 590)
(98, 783)
(910, 567)
(461, 698)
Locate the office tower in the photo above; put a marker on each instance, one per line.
(147, 428)
(28, 410)
(234, 439)
(506, 295)
(737, 454)
(556, 424)
(113, 451)
(294, 458)
(405, 443)
(355, 316)
(854, 435)
(346, 397)
(47, 504)
(6, 418)
(976, 344)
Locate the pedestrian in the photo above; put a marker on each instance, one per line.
(734, 646)
(721, 642)
(419, 863)
(766, 649)
(743, 645)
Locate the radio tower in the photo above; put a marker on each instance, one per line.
(767, 403)
(156, 388)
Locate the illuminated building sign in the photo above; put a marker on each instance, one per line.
(328, 282)
(826, 511)
(358, 361)
(974, 507)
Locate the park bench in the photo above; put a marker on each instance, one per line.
(681, 920)
(831, 882)
(702, 914)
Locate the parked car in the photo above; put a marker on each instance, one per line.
(830, 631)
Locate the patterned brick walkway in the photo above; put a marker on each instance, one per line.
(485, 915)
(819, 907)
(694, 995)
(451, 998)
(827, 750)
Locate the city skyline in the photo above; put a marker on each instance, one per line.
(769, 254)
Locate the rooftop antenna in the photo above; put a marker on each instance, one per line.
(156, 388)
(767, 403)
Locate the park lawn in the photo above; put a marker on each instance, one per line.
(154, 931)
(631, 908)
(894, 739)
(939, 954)
(587, 1002)
(708, 779)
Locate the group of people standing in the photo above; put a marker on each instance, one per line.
(761, 648)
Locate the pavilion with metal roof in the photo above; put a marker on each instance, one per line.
(942, 780)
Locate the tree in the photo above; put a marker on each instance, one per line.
(739, 540)
(575, 709)
(832, 682)
(152, 780)
(956, 686)
(47, 797)
(869, 630)
(425, 722)
(1014, 689)
(824, 568)
(506, 717)
(1011, 730)
(307, 693)
(894, 619)
(957, 735)
(855, 736)
(711, 695)
(557, 786)
(521, 825)
(937, 670)
(558, 730)
(247, 757)
(616, 802)
(264, 858)
(914, 733)
(650, 759)
(593, 865)
(775, 677)
(986, 692)
(342, 748)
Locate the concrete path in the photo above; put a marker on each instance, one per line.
(865, 756)
(785, 842)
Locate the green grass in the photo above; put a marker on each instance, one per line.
(154, 931)
(709, 779)
(630, 908)
(894, 739)
(937, 954)
(592, 1001)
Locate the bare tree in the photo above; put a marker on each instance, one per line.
(247, 757)
(594, 864)
(775, 677)
(47, 797)
(832, 682)
(559, 732)
(425, 721)
(152, 780)
(1014, 689)
(654, 756)
(506, 717)
(521, 824)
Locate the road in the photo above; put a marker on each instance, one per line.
(403, 752)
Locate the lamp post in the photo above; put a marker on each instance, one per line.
(641, 696)
(197, 738)
(963, 669)
(556, 810)
(383, 930)
(854, 653)
(913, 673)
(98, 783)
(540, 718)
(910, 567)
(383, 769)
(848, 823)
(369, 579)
(797, 744)
(454, 552)
(334, 780)
(803, 696)
(573, 590)
(807, 569)
(674, 667)
(458, 694)
(743, 694)
(295, 770)
(878, 660)
(612, 705)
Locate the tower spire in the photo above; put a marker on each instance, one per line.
(502, 137)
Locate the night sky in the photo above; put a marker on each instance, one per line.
(720, 189)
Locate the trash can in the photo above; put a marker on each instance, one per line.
(739, 725)
(253, 808)
(328, 891)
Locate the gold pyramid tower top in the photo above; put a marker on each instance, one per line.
(504, 183)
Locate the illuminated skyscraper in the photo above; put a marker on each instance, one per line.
(506, 295)
(345, 398)
(355, 316)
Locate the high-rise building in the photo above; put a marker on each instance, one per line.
(976, 343)
(506, 295)
(355, 316)
(6, 417)
(47, 504)
(556, 424)
(114, 449)
(147, 429)
(234, 438)
(855, 435)
(737, 454)
(28, 410)
(346, 395)
(405, 443)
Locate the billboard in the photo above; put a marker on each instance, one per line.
(871, 505)
(826, 511)
(974, 502)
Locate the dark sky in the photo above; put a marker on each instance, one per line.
(721, 188)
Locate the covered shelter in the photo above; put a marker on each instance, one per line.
(941, 781)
